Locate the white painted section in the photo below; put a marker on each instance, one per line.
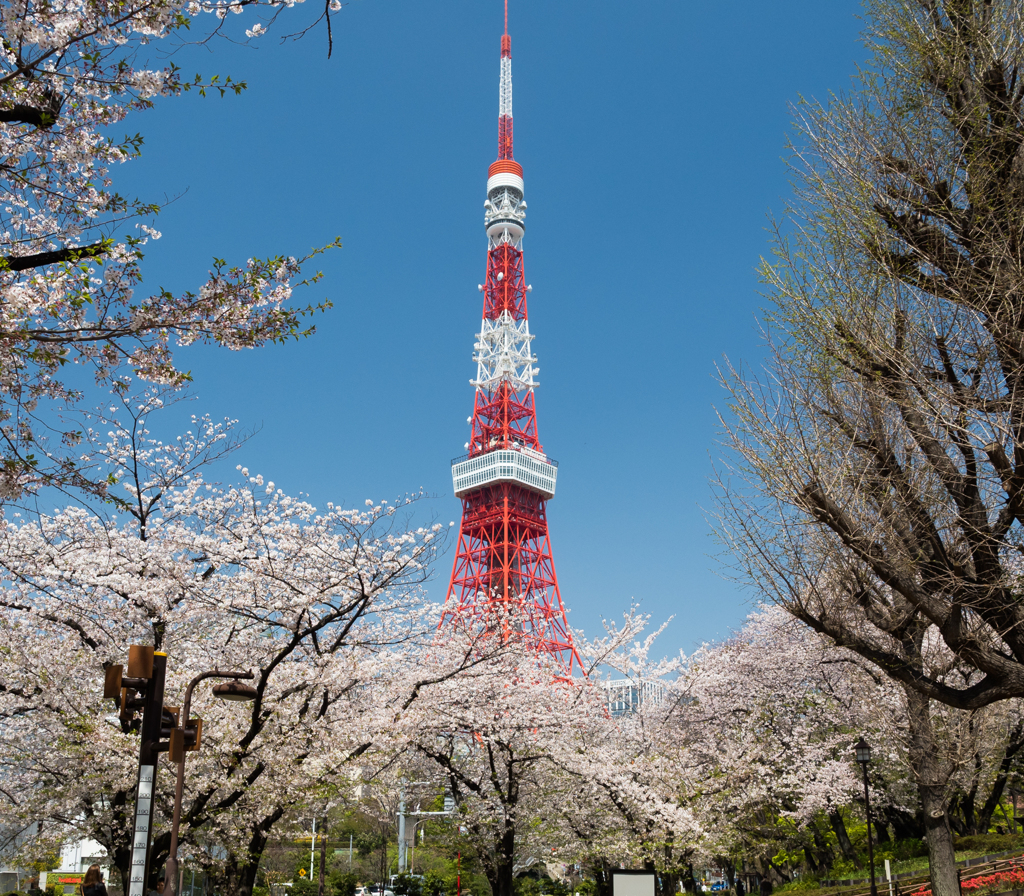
(504, 217)
(503, 354)
(529, 469)
(504, 179)
(140, 840)
(505, 91)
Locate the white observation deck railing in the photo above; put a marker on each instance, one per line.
(526, 467)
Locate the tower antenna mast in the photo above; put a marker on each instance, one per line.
(503, 579)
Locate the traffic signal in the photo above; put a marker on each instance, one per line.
(139, 696)
(185, 740)
(130, 692)
(168, 722)
(132, 704)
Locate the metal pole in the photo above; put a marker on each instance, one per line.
(152, 716)
(401, 831)
(349, 852)
(867, 808)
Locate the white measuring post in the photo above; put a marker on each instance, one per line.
(888, 875)
(312, 849)
(140, 839)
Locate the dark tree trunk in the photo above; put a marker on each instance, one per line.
(822, 850)
(932, 773)
(730, 873)
(669, 882)
(499, 867)
(812, 863)
(1014, 744)
(881, 831)
(835, 819)
(239, 874)
(115, 837)
(904, 825)
(689, 881)
(603, 879)
(323, 858)
(941, 855)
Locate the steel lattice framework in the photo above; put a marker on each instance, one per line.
(504, 569)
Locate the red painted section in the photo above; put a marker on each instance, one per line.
(505, 166)
(506, 46)
(504, 137)
(504, 564)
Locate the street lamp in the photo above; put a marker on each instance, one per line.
(863, 753)
(230, 690)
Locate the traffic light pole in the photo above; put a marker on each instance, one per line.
(152, 717)
(143, 688)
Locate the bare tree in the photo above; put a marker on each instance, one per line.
(875, 482)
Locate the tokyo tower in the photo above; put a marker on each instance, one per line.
(504, 573)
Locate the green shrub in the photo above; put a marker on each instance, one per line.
(436, 885)
(407, 885)
(342, 883)
(805, 882)
(304, 887)
(903, 850)
(987, 843)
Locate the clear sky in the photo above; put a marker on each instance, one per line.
(652, 134)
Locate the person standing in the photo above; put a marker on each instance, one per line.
(92, 884)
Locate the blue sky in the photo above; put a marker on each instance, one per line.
(652, 135)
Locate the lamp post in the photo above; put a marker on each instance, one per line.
(863, 753)
(230, 690)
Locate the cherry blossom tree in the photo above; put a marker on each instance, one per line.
(320, 603)
(71, 246)
(534, 761)
(764, 735)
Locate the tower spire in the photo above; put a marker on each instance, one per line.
(505, 95)
(504, 573)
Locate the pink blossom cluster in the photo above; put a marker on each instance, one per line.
(72, 247)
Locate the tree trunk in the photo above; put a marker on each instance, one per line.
(1014, 744)
(932, 772)
(239, 874)
(323, 857)
(881, 831)
(904, 825)
(603, 879)
(116, 837)
(835, 819)
(823, 851)
(689, 881)
(941, 856)
(812, 863)
(730, 873)
(499, 868)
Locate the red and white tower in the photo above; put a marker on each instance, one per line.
(504, 568)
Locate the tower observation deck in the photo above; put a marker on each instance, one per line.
(503, 566)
